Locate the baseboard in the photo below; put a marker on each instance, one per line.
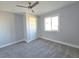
(60, 42)
(11, 43)
(28, 41)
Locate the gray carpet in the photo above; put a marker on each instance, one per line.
(39, 48)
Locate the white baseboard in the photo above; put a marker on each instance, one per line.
(11, 43)
(64, 43)
(28, 41)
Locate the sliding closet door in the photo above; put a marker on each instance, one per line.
(31, 28)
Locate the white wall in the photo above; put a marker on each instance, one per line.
(11, 27)
(69, 25)
(19, 26)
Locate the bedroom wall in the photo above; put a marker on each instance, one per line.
(69, 25)
(11, 27)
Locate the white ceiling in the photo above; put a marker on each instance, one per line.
(41, 8)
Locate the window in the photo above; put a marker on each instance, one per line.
(51, 23)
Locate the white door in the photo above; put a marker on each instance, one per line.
(31, 28)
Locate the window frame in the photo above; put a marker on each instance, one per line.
(51, 23)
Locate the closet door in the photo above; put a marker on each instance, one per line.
(32, 28)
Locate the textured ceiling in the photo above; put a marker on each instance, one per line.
(41, 8)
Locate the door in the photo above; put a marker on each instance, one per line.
(31, 28)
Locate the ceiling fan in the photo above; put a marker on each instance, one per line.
(30, 5)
